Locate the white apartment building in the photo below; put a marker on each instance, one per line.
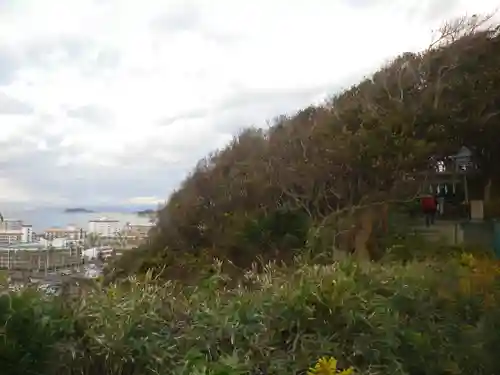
(14, 231)
(137, 230)
(70, 232)
(27, 233)
(9, 237)
(95, 252)
(104, 227)
(11, 225)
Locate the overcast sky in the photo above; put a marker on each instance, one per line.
(111, 102)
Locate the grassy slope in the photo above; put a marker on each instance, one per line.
(422, 318)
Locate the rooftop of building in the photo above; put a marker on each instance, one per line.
(10, 231)
(140, 225)
(104, 220)
(34, 246)
(59, 230)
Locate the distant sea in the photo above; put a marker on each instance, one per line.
(47, 217)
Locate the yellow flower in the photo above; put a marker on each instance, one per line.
(328, 366)
(468, 260)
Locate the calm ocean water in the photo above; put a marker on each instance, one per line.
(43, 218)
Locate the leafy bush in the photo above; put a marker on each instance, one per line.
(492, 209)
(418, 318)
(31, 329)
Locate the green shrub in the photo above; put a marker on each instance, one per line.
(279, 229)
(492, 209)
(31, 328)
(381, 319)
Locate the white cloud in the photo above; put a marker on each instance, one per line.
(122, 90)
(145, 201)
(10, 191)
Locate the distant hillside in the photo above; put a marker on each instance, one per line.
(77, 210)
(147, 212)
(127, 209)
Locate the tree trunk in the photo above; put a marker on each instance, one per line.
(487, 190)
(385, 217)
(339, 255)
(344, 241)
(363, 235)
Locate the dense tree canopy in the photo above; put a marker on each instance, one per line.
(337, 165)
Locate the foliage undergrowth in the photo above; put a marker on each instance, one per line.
(423, 317)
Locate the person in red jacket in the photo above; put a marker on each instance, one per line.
(429, 208)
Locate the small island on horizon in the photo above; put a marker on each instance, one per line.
(77, 210)
(148, 212)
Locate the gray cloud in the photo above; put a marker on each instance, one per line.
(190, 115)
(91, 113)
(184, 18)
(425, 11)
(13, 106)
(72, 50)
(362, 3)
(89, 55)
(39, 172)
(254, 106)
(435, 10)
(188, 17)
(40, 52)
(6, 6)
(9, 65)
(108, 58)
(276, 98)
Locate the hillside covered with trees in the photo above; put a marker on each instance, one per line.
(325, 177)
